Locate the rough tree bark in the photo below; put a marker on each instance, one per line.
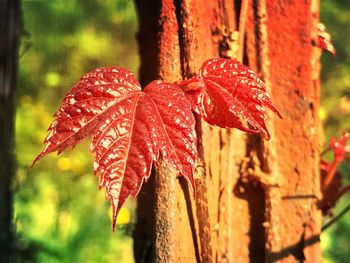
(260, 198)
(9, 41)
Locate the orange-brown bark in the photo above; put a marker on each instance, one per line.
(260, 204)
(286, 60)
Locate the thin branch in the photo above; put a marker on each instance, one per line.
(263, 58)
(335, 218)
(343, 190)
(165, 207)
(187, 43)
(166, 178)
(241, 29)
(202, 204)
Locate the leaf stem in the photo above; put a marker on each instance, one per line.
(330, 175)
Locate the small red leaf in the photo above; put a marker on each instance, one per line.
(339, 147)
(227, 93)
(130, 128)
(324, 40)
(331, 178)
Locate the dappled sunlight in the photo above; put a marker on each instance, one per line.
(60, 214)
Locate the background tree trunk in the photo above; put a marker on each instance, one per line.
(9, 42)
(261, 195)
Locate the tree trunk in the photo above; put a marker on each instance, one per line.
(256, 199)
(9, 42)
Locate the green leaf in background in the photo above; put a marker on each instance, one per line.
(60, 215)
(335, 114)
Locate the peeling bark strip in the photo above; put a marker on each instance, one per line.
(9, 43)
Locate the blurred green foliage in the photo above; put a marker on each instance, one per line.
(60, 215)
(335, 111)
(335, 14)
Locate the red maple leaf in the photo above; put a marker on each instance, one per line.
(227, 94)
(130, 128)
